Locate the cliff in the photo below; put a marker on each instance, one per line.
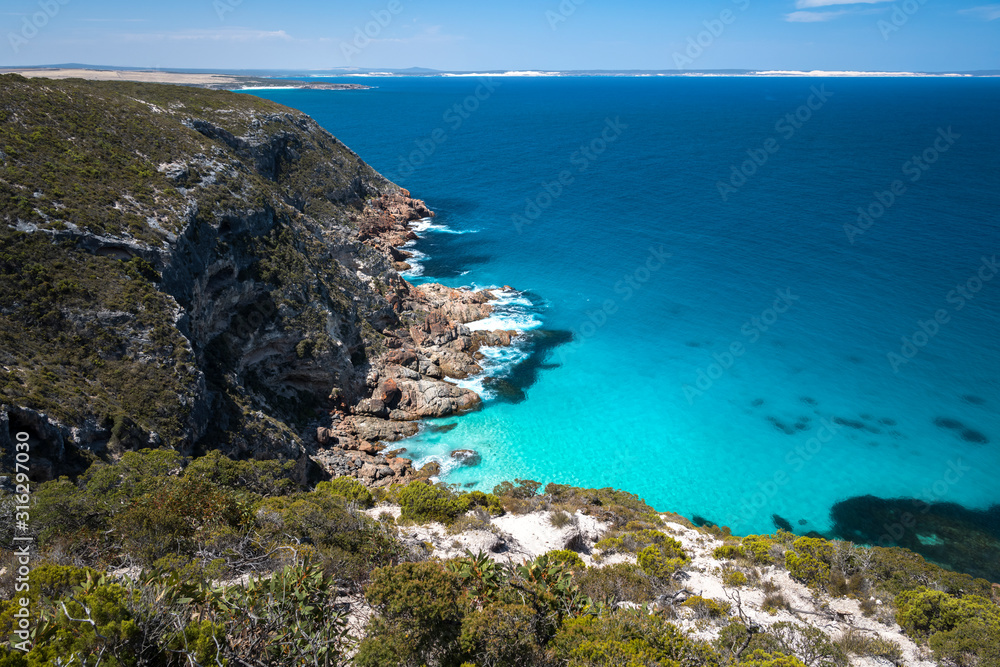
(206, 270)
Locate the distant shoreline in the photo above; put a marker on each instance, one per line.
(211, 81)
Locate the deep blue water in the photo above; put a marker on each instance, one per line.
(603, 394)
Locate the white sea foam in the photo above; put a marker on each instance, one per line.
(496, 361)
(507, 315)
(267, 88)
(428, 225)
(415, 260)
(511, 311)
(446, 463)
(844, 73)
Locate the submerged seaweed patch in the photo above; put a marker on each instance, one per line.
(949, 423)
(780, 425)
(511, 387)
(966, 540)
(851, 423)
(971, 435)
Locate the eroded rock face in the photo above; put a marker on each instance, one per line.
(427, 347)
(279, 315)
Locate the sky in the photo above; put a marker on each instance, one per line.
(874, 35)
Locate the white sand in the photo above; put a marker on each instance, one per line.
(514, 538)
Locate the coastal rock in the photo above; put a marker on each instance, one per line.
(427, 398)
(467, 457)
(483, 541)
(374, 429)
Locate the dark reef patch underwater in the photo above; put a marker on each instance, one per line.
(948, 534)
(511, 386)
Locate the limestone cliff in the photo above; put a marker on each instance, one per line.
(208, 270)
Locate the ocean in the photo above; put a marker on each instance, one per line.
(756, 302)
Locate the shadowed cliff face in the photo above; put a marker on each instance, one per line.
(181, 267)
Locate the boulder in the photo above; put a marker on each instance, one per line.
(483, 541)
(467, 457)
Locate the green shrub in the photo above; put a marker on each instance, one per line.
(492, 503)
(628, 638)
(263, 478)
(559, 519)
(758, 548)
(634, 541)
(570, 559)
(501, 634)
(734, 578)
(707, 607)
(524, 489)
(807, 569)
(761, 658)
(99, 620)
(809, 561)
(618, 583)
(729, 552)
(174, 516)
(421, 502)
(344, 538)
(349, 488)
(135, 474)
(865, 645)
(655, 562)
(959, 628)
(774, 602)
(810, 644)
(288, 618)
(420, 610)
(818, 548)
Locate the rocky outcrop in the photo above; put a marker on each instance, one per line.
(224, 276)
(429, 346)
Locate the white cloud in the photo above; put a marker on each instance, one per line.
(812, 4)
(813, 17)
(984, 12)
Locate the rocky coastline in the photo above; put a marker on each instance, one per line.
(226, 277)
(429, 346)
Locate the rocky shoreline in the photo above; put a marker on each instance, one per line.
(429, 345)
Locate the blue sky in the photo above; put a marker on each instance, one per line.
(928, 35)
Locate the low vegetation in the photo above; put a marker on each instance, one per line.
(157, 559)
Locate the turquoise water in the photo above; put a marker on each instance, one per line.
(639, 273)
